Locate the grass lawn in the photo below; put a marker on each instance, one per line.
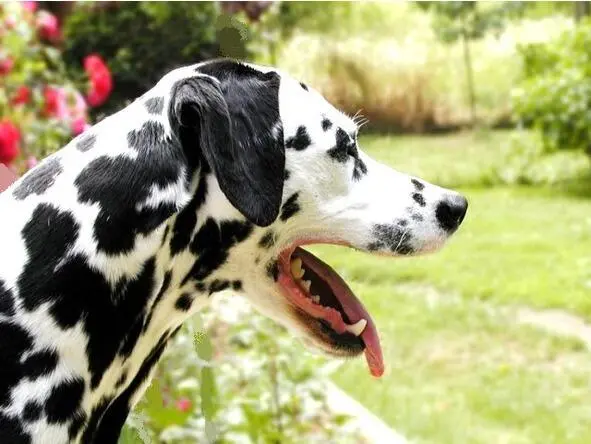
(461, 369)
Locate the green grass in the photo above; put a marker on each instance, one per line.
(460, 367)
(461, 159)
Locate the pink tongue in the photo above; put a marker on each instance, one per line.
(351, 306)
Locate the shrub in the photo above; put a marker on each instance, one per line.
(144, 40)
(41, 106)
(524, 161)
(555, 94)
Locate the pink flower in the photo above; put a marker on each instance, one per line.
(10, 137)
(79, 125)
(48, 27)
(31, 162)
(101, 82)
(29, 6)
(183, 404)
(22, 95)
(55, 103)
(78, 105)
(6, 65)
(93, 63)
(68, 106)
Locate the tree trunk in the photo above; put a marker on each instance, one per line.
(582, 10)
(469, 77)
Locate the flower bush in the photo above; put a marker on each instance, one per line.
(41, 107)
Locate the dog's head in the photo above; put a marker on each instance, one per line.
(277, 154)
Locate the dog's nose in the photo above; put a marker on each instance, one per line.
(450, 212)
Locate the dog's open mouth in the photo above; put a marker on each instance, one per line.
(325, 304)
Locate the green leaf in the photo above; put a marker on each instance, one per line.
(208, 393)
(130, 435)
(162, 415)
(203, 345)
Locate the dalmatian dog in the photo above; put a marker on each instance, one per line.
(214, 179)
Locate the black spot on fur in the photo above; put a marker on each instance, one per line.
(6, 300)
(15, 341)
(48, 235)
(163, 288)
(76, 425)
(218, 285)
(300, 141)
(273, 270)
(110, 424)
(359, 170)
(200, 287)
(303, 85)
(184, 302)
(286, 175)
(98, 411)
(344, 148)
(40, 363)
(417, 217)
(418, 198)
(389, 236)
(122, 379)
(63, 404)
(418, 185)
(133, 301)
(155, 105)
(268, 240)
(11, 431)
(31, 411)
(130, 182)
(338, 154)
(402, 223)
(39, 180)
(291, 207)
(212, 243)
(86, 142)
(326, 124)
(165, 235)
(237, 285)
(187, 219)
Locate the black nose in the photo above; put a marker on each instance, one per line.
(451, 211)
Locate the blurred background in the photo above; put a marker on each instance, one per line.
(487, 341)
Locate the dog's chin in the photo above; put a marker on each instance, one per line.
(319, 336)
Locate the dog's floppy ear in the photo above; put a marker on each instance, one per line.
(236, 128)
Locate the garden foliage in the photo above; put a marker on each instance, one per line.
(233, 376)
(555, 93)
(144, 40)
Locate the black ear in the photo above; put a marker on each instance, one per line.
(234, 125)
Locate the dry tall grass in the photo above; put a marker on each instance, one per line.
(411, 82)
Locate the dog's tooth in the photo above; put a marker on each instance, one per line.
(306, 285)
(357, 328)
(316, 299)
(296, 268)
